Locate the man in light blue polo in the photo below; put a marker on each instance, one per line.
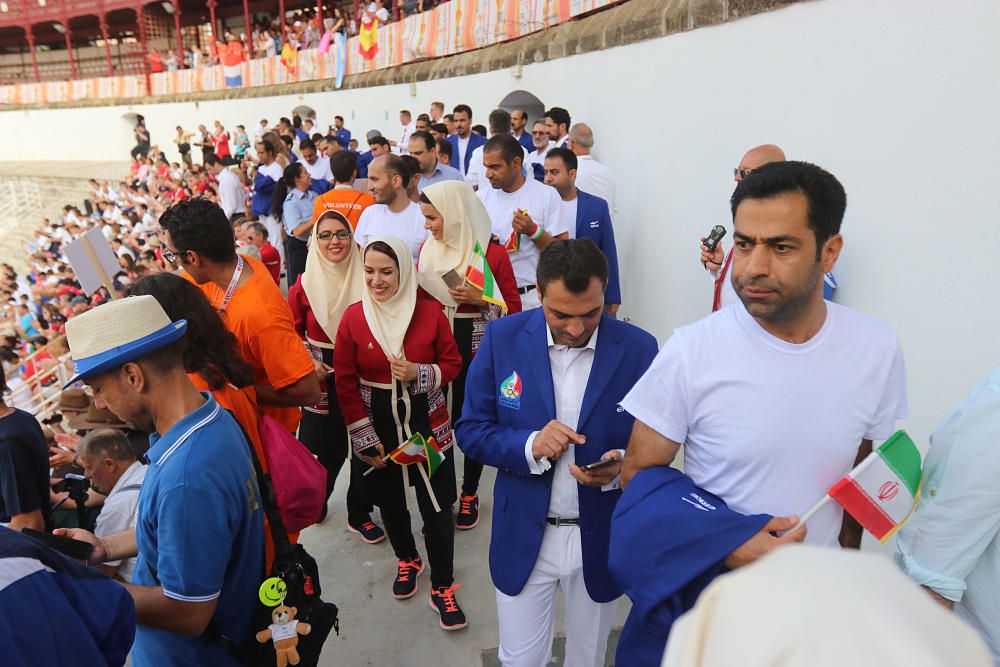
(200, 531)
(423, 147)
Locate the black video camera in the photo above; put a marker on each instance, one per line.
(74, 485)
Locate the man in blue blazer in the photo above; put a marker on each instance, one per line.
(591, 217)
(541, 401)
(464, 136)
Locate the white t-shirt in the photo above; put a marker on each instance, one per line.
(569, 215)
(404, 138)
(377, 220)
(476, 176)
(536, 157)
(463, 148)
(319, 169)
(767, 425)
(596, 179)
(542, 204)
(273, 170)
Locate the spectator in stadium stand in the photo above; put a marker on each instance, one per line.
(269, 171)
(542, 144)
(423, 147)
(199, 236)
(591, 176)
(343, 198)
(557, 122)
(283, 154)
(232, 196)
(220, 144)
(519, 129)
(333, 280)
(318, 167)
(242, 142)
(293, 206)
(437, 112)
(183, 141)
(463, 140)
(86, 618)
(391, 390)
(190, 573)
(457, 222)
(256, 235)
(24, 468)
(109, 462)
(205, 142)
(586, 216)
(526, 215)
(211, 359)
(155, 61)
(393, 213)
(342, 134)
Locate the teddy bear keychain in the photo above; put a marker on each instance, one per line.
(284, 630)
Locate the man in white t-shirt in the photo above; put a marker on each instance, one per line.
(774, 399)
(317, 165)
(525, 214)
(393, 213)
(500, 123)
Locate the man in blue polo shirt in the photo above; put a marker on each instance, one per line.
(200, 533)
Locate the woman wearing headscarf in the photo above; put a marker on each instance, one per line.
(332, 281)
(457, 221)
(393, 354)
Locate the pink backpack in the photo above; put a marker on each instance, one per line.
(298, 479)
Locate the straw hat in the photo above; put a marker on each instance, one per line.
(96, 418)
(117, 332)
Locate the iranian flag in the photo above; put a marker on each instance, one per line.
(412, 451)
(881, 491)
(478, 275)
(433, 456)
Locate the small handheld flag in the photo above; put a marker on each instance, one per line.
(433, 456)
(479, 275)
(412, 451)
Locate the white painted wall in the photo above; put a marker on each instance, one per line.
(899, 99)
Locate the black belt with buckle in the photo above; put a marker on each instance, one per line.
(559, 521)
(525, 289)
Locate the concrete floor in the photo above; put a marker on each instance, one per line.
(376, 629)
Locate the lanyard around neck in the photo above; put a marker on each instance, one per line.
(232, 283)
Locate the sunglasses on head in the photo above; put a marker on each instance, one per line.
(741, 173)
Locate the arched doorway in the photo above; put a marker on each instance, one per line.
(522, 99)
(304, 112)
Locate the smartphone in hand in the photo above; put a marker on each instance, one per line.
(597, 465)
(452, 279)
(75, 549)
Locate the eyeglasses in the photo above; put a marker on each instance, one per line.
(741, 173)
(342, 235)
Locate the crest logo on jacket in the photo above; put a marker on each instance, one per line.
(509, 395)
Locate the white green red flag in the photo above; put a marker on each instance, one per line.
(412, 451)
(881, 491)
(433, 455)
(478, 275)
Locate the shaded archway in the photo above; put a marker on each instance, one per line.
(528, 102)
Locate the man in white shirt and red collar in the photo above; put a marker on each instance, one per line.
(777, 397)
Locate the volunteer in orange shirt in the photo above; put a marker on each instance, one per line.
(343, 198)
(198, 236)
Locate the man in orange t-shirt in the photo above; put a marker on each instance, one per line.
(200, 238)
(343, 198)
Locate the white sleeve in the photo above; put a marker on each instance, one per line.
(893, 404)
(553, 219)
(114, 518)
(475, 167)
(660, 398)
(361, 233)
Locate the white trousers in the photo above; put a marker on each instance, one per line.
(527, 620)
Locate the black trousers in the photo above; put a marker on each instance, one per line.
(472, 470)
(296, 252)
(326, 437)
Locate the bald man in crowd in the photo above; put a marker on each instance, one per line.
(591, 175)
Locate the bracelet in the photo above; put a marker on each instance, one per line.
(539, 230)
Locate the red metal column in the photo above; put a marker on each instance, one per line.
(212, 4)
(140, 20)
(69, 48)
(319, 15)
(357, 6)
(281, 19)
(177, 29)
(103, 19)
(248, 36)
(31, 47)
(395, 10)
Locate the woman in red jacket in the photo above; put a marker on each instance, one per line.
(332, 281)
(392, 356)
(457, 221)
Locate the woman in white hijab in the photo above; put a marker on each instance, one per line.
(392, 356)
(333, 279)
(458, 222)
(803, 605)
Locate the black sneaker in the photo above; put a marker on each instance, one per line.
(407, 572)
(368, 531)
(468, 512)
(444, 603)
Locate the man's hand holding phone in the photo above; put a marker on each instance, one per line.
(599, 473)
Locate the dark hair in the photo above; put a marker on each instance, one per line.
(462, 108)
(395, 165)
(287, 139)
(211, 159)
(210, 349)
(259, 228)
(4, 389)
(567, 156)
(306, 143)
(296, 121)
(425, 200)
(559, 116)
(824, 194)
(507, 145)
(412, 165)
(344, 165)
(407, 112)
(424, 116)
(479, 129)
(380, 140)
(384, 248)
(440, 128)
(444, 148)
(268, 146)
(338, 118)
(500, 121)
(282, 187)
(200, 225)
(426, 137)
(573, 261)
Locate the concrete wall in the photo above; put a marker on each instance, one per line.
(898, 99)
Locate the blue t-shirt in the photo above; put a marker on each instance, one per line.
(201, 531)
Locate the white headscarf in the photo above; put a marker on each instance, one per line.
(390, 319)
(803, 605)
(465, 222)
(330, 287)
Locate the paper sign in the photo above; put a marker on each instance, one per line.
(93, 261)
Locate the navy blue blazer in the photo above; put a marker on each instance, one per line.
(475, 141)
(525, 140)
(509, 395)
(593, 221)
